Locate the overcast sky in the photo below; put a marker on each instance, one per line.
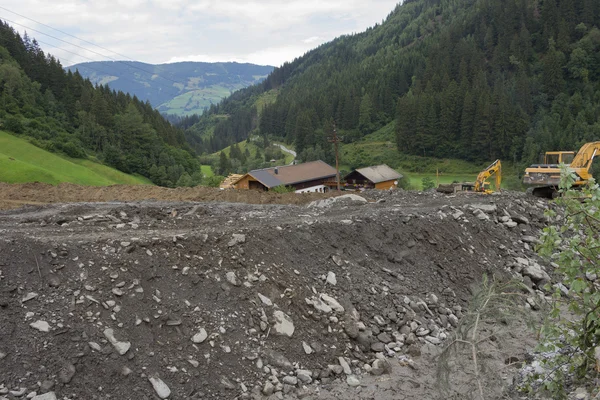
(266, 32)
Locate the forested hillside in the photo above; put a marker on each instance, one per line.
(183, 88)
(470, 79)
(63, 112)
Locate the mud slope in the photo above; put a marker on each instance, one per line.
(222, 301)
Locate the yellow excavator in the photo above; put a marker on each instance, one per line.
(481, 184)
(544, 179)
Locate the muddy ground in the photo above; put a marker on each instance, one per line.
(17, 195)
(336, 299)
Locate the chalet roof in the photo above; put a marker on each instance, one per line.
(293, 174)
(379, 173)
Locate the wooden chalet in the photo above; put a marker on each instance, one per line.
(306, 177)
(377, 177)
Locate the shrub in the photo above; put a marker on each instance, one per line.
(428, 183)
(573, 243)
(283, 189)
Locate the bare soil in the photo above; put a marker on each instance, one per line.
(16, 195)
(159, 272)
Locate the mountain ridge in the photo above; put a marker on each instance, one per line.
(182, 88)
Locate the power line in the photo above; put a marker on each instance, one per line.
(91, 51)
(65, 33)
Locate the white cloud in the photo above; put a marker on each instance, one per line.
(155, 31)
(311, 39)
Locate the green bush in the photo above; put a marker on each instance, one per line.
(428, 183)
(573, 243)
(283, 189)
(213, 181)
(13, 123)
(72, 149)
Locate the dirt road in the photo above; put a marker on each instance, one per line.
(215, 300)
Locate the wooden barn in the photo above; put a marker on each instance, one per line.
(377, 177)
(306, 177)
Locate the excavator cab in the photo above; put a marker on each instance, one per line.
(558, 157)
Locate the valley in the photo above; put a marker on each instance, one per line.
(180, 89)
(127, 272)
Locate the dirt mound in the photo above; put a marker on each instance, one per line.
(15, 195)
(223, 301)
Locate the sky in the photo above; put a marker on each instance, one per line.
(265, 32)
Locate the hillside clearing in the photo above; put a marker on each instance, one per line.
(22, 162)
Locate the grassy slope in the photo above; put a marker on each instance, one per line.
(264, 99)
(20, 162)
(252, 148)
(380, 148)
(207, 170)
(195, 101)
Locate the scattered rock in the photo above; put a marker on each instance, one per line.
(237, 239)
(277, 359)
(352, 380)
(200, 336)
(307, 348)
(487, 208)
(265, 300)
(41, 326)
(161, 388)
(53, 280)
(232, 278)
(333, 303)
(304, 375)
(384, 337)
(530, 239)
(45, 396)
(290, 380)
(66, 373)
(46, 386)
(283, 324)
(380, 367)
(520, 219)
(535, 272)
(331, 279)
(268, 389)
(121, 347)
(29, 296)
(347, 199)
(345, 365)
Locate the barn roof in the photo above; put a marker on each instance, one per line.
(379, 173)
(293, 174)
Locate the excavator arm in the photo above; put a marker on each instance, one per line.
(584, 157)
(495, 169)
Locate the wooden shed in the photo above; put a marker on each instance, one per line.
(377, 177)
(306, 177)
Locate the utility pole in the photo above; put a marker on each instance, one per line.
(336, 140)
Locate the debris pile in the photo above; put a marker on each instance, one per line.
(223, 301)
